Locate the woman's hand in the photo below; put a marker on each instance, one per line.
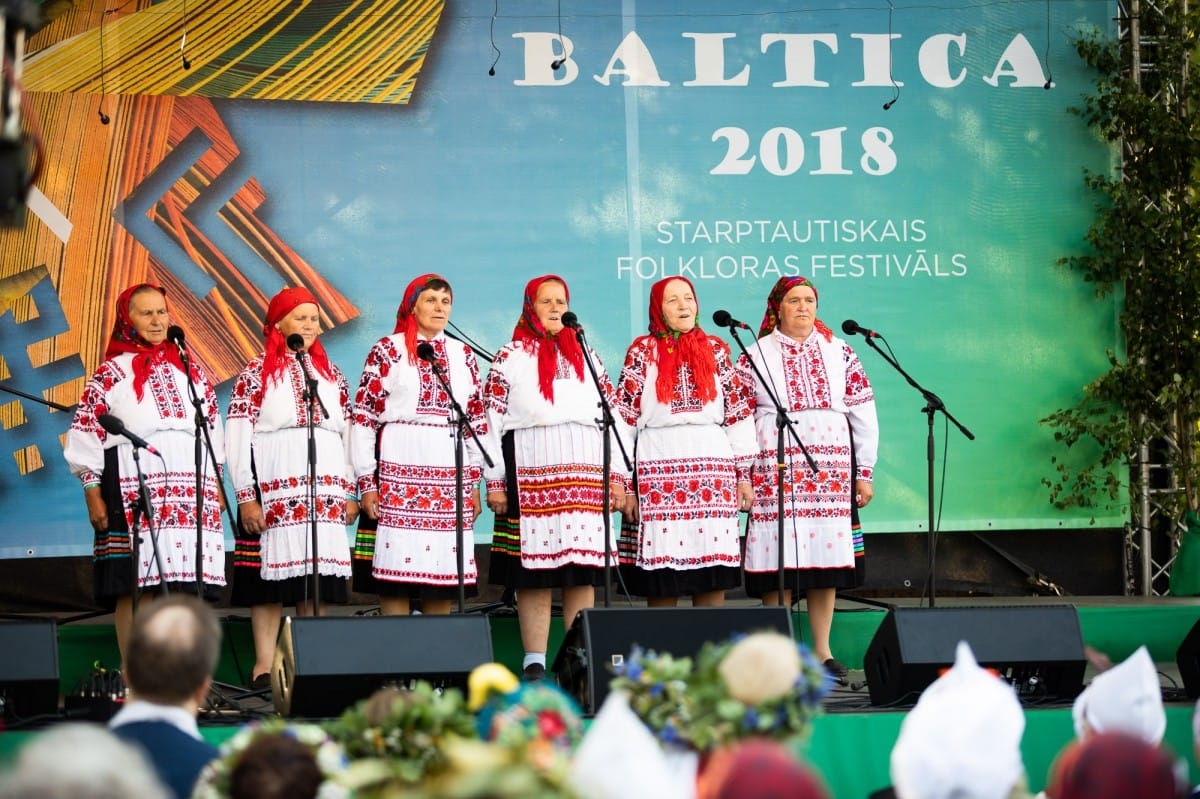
(863, 492)
(351, 511)
(616, 498)
(476, 507)
(745, 497)
(369, 503)
(97, 509)
(497, 501)
(632, 512)
(253, 521)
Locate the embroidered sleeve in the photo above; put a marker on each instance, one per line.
(631, 384)
(476, 416)
(369, 403)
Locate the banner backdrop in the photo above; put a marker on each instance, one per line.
(919, 164)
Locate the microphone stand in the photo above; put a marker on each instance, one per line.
(203, 440)
(143, 506)
(312, 400)
(933, 404)
(461, 422)
(607, 423)
(782, 422)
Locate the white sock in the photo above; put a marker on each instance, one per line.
(534, 657)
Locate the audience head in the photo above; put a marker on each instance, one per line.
(80, 761)
(759, 768)
(275, 760)
(962, 739)
(1115, 765)
(174, 646)
(1126, 698)
(275, 767)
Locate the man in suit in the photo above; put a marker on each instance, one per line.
(173, 650)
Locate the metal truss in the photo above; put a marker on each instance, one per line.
(1152, 537)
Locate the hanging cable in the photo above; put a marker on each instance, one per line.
(492, 36)
(1049, 74)
(104, 120)
(891, 77)
(183, 40)
(562, 59)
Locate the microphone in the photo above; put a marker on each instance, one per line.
(103, 118)
(723, 319)
(557, 63)
(850, 327)
(295, 342)
(175, 336)
(888, 104)
(425, 353)
(569, 319)
(116, 427)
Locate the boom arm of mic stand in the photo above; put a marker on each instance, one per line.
(310, 384)
(933, 404)
(605, 409)
(45, 402)
(781, 416)
(463, 421)
(201, 425)
(608, 424)
(460, 523)
(932, 401)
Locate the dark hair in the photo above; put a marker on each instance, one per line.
(275, 767)
(438, 284)
(173, 649)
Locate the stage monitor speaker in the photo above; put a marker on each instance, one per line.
(28, 669)
(600, 639)
(324, 665)
(1187, 657)
(1036, 649)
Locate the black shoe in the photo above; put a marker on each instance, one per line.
(837, 670)
(261, 683)
(534, 672)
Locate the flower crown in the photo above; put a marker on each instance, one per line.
(759, 685)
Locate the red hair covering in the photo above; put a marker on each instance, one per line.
(125, 339)
(760, 768)
(782, 287)
(673, 349)
(1109, 765)
(545, 346)
(275, 352)
(406, 323)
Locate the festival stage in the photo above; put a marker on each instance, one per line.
(850, 743)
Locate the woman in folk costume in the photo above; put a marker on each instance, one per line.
(540, 395)
(822, 385)
(692, 412)
(267, 439)
(403, 449)
(143, 384)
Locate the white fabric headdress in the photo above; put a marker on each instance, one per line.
(962, 739)
(1126, 698)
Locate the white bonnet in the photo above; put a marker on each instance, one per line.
(1125, 698)
(963, 737)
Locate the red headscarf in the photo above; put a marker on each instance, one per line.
(761, 768)
(125, 339)
(673, 349)
(1114, 764)
(406, 323)
(782, 287)
(529, 331)
(276, 353)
